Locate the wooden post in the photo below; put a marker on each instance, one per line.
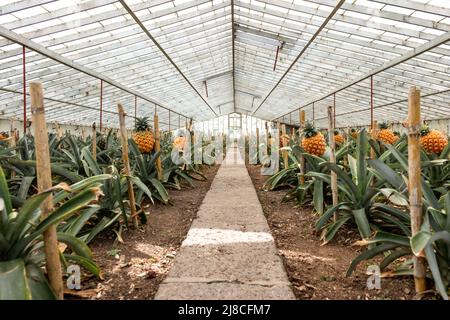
(12, 141)
(302, 159)
(44, 181)
(157, 135)
(94, 141)
(284, 152)
(58, 131)
(126, 163)
(373, 135)
(415, 191)
(334, 186)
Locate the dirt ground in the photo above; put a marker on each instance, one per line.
(135, 268)
(318, 272)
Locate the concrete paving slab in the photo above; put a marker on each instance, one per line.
(229, 252)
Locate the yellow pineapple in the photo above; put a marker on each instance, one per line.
(338, 138)
(385, 134)
(313, 141)
(432, 141)
(143, 136)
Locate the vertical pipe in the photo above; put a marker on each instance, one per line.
(101, 105)
(169, 120)
(313, 113)
(371, 102)
(414, 182)
(334, 111)
(135, 107)
(24, 90)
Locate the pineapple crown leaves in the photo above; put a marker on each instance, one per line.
(309, 130)
(336, 132)
(424, 130)
(384, 125)
(142, 124)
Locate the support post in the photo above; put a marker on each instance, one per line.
(157, 145)
(94, 141)
(24, 79)
(44, 181)
(302, 159)
(373, 135)
(126, 164)
(12, 141)
(334, 185)
(101, 105)
(283, 140)
(415, 191)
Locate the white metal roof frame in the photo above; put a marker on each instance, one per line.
(203, 58)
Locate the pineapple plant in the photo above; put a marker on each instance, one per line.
(338, 138)
(432, 141)
(385, 134)
(143, 137)
(313, 141)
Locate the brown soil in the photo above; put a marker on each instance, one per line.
(135, 268)
(319, 271)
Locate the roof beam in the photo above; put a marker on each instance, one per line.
(324, 23)
(145, 30)
(392, 63)
(17, 38)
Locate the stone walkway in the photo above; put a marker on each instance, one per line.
(229, 252)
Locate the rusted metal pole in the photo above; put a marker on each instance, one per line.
(334, 185)
(276, 58)
(44, 181)
(101, 105)
(414, 182)
(371, 102)
(24, 79)
(94, 141)
(126, 164)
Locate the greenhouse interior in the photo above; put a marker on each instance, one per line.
(225, 150)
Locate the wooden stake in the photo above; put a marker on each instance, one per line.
(334, 186)
(157, 146)
(284, 152)
(373, 135)
(126, 164)
(415, 191)
(44, 181)
(12, 141)
(94, 141)
(302, 159)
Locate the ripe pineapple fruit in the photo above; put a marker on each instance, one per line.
(313, 141)
(385, 134)
(143, 136)
(338, 138)
(432, 141)
(178, 143)
(354, 133)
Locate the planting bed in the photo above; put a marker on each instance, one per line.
(316, 271)
(135, 268)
